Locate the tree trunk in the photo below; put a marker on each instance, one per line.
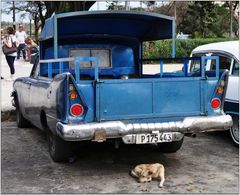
(36, 27)
(231, 20)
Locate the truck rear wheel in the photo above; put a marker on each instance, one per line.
(234, 131)
(21, 121)
(59, 150)
(170, 147)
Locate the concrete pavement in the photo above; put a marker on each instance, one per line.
(205, 164)
(22, 69)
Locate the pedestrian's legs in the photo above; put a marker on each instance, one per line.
(24, 51)
(19, 51)
(10, 61)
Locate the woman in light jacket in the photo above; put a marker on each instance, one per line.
(9, 40)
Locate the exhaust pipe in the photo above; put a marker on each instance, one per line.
(193, 135)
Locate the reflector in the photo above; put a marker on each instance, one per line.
(73, 95)
(71, 87)
(220, 90)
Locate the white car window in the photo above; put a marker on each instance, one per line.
(235, 70)
(195, 64)
(224, 62)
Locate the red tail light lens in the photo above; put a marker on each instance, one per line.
(215, 103)
(76, 110)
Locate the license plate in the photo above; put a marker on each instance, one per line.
(153, 138)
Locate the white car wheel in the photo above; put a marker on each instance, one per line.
(235, 129)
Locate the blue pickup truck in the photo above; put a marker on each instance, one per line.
(90, 85)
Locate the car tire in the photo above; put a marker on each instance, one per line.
(170, 147)
(234, 131)
(59, 150)
(21, 121)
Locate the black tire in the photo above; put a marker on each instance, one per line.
(170, 147)
(21, 121)
(59, 150)
(234, 131)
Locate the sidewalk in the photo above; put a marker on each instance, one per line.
(22, 69)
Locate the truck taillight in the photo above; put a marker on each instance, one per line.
(73, 95)
(220, 90)
(216, 103)
(76, 110)
(71, 87)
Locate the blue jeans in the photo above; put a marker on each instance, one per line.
(21, 47)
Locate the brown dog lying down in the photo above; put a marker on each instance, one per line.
(147, 172)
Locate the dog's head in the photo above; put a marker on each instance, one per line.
(145, 176)
(144, 179)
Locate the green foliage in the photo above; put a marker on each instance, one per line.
(203, 16)
(184, 47)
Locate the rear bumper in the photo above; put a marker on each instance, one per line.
(117, 129)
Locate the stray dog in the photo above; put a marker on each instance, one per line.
(147, 172)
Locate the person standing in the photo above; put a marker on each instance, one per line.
(32, 49)
(2, 37)
(21, 36)
(9, 40)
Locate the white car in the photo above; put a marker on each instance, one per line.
(228, 53)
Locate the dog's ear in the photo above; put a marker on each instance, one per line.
(150, 172)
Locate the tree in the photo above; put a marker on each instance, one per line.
(233, 16)
(41, 10)
(33, 8)
(149, 4)
(66, 6)
(168, 9)
(115, 6)
(201, 18)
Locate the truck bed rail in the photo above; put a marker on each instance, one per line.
(78, 60)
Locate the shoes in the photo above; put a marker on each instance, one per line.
(11, 78)
(2, 78)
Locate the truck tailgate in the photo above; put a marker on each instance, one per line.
(148, 98)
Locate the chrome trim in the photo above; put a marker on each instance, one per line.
(116, 129)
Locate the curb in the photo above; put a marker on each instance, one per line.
(8, 115)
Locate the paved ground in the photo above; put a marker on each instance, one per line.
(206, 164)
(22, 69)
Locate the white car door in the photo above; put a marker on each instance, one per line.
(233, 83)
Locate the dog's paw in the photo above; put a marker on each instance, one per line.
(160, 186)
